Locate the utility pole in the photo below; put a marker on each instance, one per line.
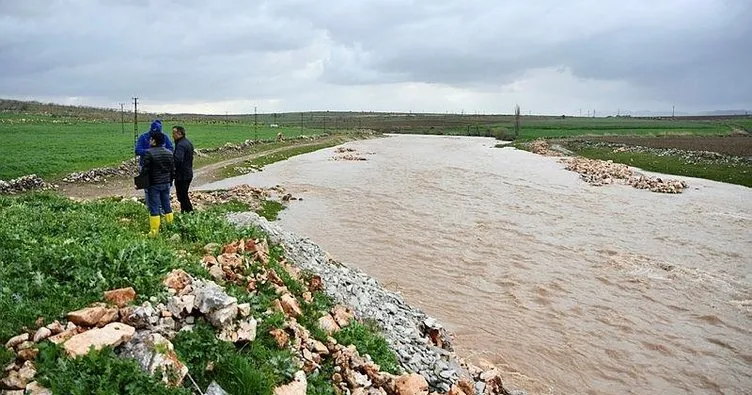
(135, 127)
(673, 107)
(122, 118)
(301, 122)
(255, 124)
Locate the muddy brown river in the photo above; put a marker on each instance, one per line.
(568, 288)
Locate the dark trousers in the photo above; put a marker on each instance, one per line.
(181, 190)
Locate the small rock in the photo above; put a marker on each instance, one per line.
(209, 260)
(177, 279)
(110, 315)
(28, 354)
(16, 340)
(27, 372)
(215, 389)
(246, 330)
(41, 334)
(112, 335)
(120, 297)
(244, 309)
(290, 305)
(55, 327)
(319, 347)
(342, 315)
(13, 381)
(328, 324)
(88, 316)
(190, 320)
(411, 384)
(280, 336)
(217, 273)
(224, 316)
(34, 388)
(64, 335)
(295, 387)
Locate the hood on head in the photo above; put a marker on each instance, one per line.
(156, 126)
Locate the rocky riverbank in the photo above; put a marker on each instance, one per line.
(422, 345)
(598, 172)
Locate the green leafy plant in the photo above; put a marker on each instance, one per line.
(368, 340)
(98, 372)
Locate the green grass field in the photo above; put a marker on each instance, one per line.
(551, 127)
(52, 149)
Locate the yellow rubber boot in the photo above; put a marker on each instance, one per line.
(153, 225)
(168, 217)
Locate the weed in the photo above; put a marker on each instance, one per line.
(98, 372)
(320, 383)
(368, 340)
(270, 209)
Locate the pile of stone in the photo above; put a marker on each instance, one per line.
(599, 172)
(247, 143)
(244, 193)
(655, 184)
(228, 147)
(31, 182)
(100, 174)
(343, 153)
(247, 169)
(541, 147)
(422, 346)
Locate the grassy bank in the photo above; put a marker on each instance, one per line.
(57, 255)
(740, 173)
(261, 161)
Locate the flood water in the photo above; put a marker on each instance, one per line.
(568, 288)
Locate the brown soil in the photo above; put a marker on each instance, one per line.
(201, 175)
(727, 145)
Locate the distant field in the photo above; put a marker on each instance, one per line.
(554, 127)
(51, 149)
(727, 145)
(56, 140)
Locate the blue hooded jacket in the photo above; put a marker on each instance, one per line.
(142, 144)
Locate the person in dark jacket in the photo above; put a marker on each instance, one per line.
(183, 156)
(159, 167)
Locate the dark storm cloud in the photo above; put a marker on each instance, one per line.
(695, 52)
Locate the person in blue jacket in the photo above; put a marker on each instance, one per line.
(142, 144)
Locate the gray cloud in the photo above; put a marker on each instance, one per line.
(689, 53)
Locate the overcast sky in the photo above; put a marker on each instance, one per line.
(476, 56)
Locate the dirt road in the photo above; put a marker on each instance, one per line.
(201, 175)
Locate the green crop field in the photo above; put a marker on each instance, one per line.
(51, 147)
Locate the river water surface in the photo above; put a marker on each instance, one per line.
(568, 288)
